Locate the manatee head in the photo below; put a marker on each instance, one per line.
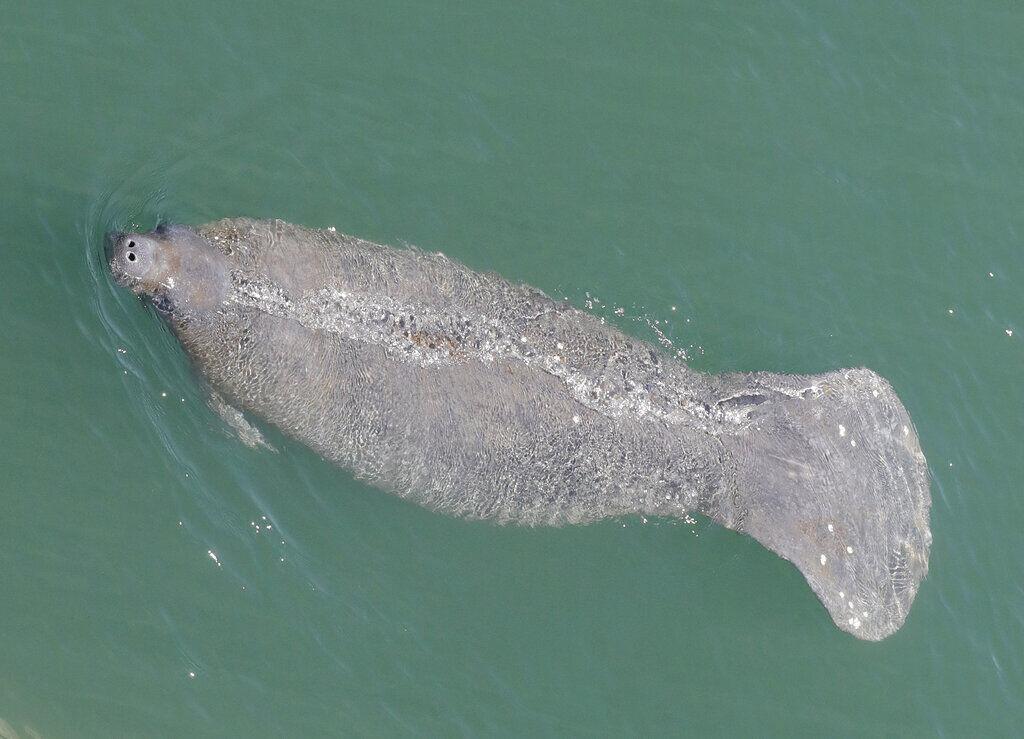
(178, 270)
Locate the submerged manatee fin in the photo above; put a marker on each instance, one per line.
(246, 432)
(829, 475)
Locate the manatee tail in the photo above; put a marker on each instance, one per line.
(829, 475)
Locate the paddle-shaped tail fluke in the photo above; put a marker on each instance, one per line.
(830, 476)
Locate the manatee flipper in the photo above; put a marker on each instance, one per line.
(246, 432)
(829, 475)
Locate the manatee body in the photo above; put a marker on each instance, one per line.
(484, 399)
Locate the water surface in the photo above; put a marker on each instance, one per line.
(793, 187)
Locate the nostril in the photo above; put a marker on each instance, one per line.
(131, 256)
(131, 244)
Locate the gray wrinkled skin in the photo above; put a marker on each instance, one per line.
(483, 399)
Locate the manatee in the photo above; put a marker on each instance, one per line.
(481, 398)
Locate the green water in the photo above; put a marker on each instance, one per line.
(811, 185)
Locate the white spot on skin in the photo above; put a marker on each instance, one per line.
(575, 419)
(842, 594)
(849, 550)
(850, 604)
(875, 393)
(831, 528)
(853, 443)
(824, 559)
(842, 430)
(906, 431)
(865, 614)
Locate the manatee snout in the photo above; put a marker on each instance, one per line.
(134, 260)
